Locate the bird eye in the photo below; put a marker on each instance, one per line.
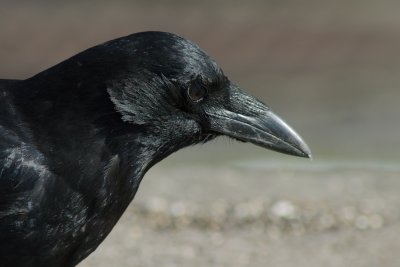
(196, 92)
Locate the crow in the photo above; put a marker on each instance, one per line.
(77, 138)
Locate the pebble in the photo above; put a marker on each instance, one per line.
(284, 209)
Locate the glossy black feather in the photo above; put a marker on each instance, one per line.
(77, 139)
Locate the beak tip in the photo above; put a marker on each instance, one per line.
(305, 151)
(302, 153)
(308, 155)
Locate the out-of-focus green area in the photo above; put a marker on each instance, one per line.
(330, 68)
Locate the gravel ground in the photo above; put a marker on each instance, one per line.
(319, 214)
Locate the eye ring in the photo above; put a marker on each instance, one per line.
(196, 92)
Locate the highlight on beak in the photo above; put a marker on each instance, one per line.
(251, 121)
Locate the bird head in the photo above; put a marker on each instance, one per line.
(170, 85)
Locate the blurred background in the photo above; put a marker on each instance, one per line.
(329, 68)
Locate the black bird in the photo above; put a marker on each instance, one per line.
(77, 138)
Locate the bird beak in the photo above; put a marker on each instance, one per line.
(247, 119)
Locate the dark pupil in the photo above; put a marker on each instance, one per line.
(196, 92)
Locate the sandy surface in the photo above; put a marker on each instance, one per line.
(319, 214)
